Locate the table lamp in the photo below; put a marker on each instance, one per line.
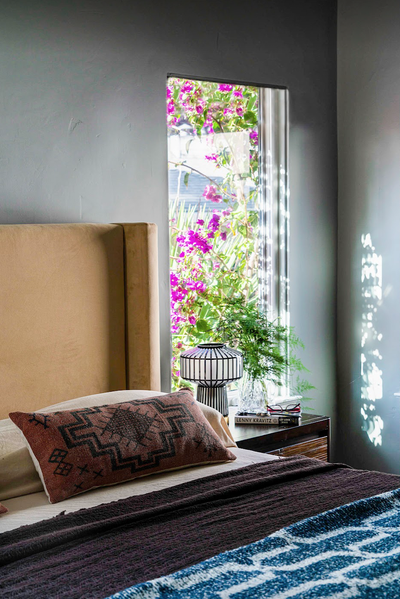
(212, 366)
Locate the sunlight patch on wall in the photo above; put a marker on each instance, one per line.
(371, 373)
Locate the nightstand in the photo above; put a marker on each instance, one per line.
(311, 438)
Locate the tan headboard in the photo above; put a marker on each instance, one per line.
(79, 312)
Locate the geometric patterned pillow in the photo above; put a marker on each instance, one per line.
(85, 448)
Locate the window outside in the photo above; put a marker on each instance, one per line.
(227, 204)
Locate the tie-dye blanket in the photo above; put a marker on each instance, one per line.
(350, 551)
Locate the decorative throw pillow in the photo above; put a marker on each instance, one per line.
(81, 449)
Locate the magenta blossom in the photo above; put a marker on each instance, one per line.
(226, 212)
(213, 225)
(193, 241)
(187, 87)
(211, 157)
(198, 286)
(239, 110)
(192, 320)
(174, 279)
(210, 193)
(238, 93)
(200, 221)
(254, 136)
(179, 294)
(225, 87)
(170, 107)
(223, 235)
(169, 93)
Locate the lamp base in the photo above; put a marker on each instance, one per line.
(215, 397)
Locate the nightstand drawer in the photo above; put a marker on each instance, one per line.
(316, 448)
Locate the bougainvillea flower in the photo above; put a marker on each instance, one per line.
(192, 319)
(211, 157)
(187, 87)
(223, 235)
(173, 279)
(200, 287)
(239, 110)
(254, 136)
(200, 221)
(210, 193)
(193, 241)
(225, 87)
(170, 107)
(214, 222)
(238, 93)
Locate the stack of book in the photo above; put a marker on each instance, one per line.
(287, 412)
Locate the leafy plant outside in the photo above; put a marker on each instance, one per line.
(214, 252)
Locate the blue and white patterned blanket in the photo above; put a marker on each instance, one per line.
(351, 551)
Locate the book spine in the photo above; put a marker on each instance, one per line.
(267, 419)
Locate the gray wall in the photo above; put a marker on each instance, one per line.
(369, 202)
(83, 134)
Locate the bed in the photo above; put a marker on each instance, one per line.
(80, 341)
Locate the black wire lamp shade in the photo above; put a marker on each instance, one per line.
(212, 366)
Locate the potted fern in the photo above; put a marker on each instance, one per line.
(268, 350)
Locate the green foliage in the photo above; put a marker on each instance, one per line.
(268, 347)
(214, 252)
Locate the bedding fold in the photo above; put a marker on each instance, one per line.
(99, 551)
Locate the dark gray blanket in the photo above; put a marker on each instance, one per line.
(98, 551)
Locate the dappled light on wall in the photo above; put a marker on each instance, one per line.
(371, 372)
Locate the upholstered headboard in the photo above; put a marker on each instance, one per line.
(79, 312)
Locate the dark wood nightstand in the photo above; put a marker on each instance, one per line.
(311, 438)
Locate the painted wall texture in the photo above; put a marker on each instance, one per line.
(369, 240)
(83, 133)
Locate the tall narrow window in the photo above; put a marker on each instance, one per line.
(228, 204)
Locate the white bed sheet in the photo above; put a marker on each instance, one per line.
(35, 507)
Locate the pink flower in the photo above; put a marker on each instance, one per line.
(193, 241)
(239, 110)
(210, 193)
(223, 235)
(173, 279)
(211, 157)
(169, 93)
(254, 136)
(213, 225)
(225, 87)
(170, 107)
(238, 93)
(192, 320)
(200, 221)
(200, 286)
(226, 212)
(187, 87)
